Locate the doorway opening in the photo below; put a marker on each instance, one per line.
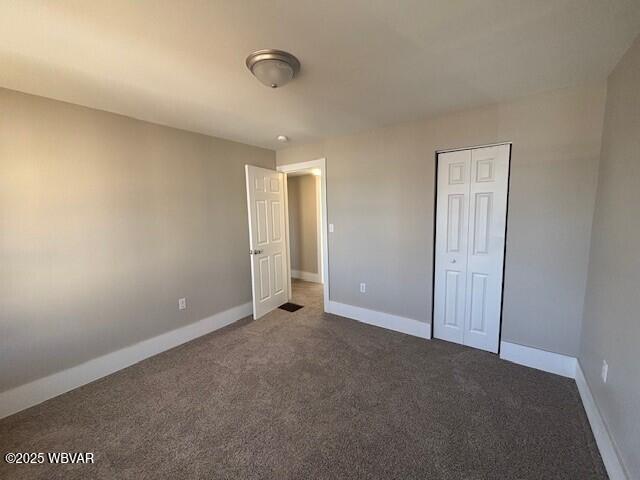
(305, 245)
(269, 235)
(306, 225)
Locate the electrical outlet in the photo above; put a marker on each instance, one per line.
(182, 303)
(363, 288)
(605, 371)
(331, 228)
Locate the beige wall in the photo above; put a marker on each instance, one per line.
(380, 197)
(105, 222)
(611, 327)
(303, 222)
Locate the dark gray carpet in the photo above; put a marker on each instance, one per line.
(307, 395)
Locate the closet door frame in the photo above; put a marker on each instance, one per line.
(435, 221)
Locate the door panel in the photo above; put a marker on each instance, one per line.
(265, 202)
(451, 245)
(478, 303)
(455, 217)
(262, 222)
(278, 264)
(452, 313)
(488, 201)
(276, 231)
(265, 276)
(470, 240)
(482, 222)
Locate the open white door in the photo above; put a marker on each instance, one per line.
(267, 245)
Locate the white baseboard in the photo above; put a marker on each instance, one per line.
(612, 461)
(540, 359)
(37, 391)
(570, 367)
(306, 276)
(380, 319)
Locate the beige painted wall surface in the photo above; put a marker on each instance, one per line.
(106, 221)
(303, 223)
(611, 327)
(380, 195)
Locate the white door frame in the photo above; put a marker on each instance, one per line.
(323, 251)
(506, 230)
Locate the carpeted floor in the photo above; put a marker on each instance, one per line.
(308, 395)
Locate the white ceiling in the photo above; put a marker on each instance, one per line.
(365, 63)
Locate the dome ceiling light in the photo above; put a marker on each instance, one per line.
(274, 68)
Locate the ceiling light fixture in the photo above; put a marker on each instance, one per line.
(274, 68)
(283, 138)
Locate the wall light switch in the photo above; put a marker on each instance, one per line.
(363, 288)
(182, 303)
(331, 228)
(605, 371)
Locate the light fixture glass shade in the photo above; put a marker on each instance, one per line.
(274, 68)
(273, 73)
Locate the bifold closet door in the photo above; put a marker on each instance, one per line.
(452, 229)
(470, 239)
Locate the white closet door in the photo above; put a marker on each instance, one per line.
(452, 227)
(470, 239)
(487, 223)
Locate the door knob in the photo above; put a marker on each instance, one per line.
(255, 252)
(453, 260)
